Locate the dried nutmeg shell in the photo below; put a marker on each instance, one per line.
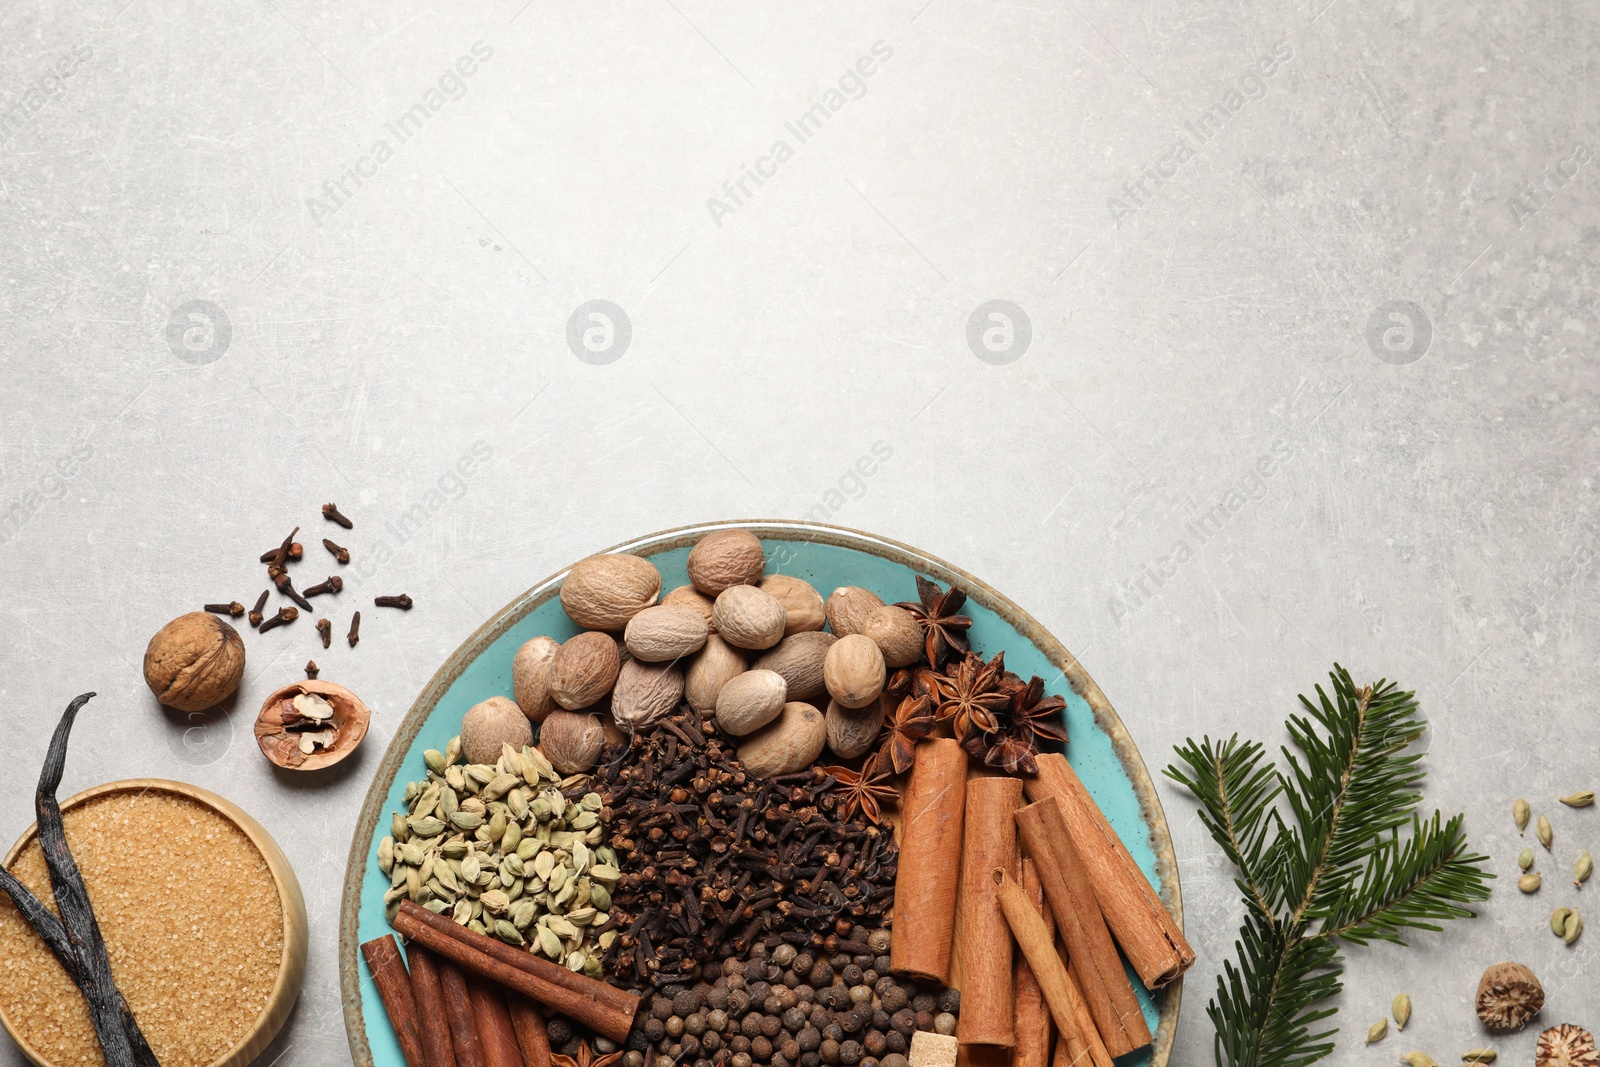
(1509, 994)
(194, 662)
(310, 725)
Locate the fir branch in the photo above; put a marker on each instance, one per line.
(1336, 869)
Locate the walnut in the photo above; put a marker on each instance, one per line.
(194, 662)
(310, 725)
(1509, 994)
(1566, 1046)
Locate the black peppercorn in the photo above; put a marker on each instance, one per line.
(760, 1049)
(559, 1030)
(661, 1008)
(883, 964)
(738, 1002)
(894, 998)
(849, 1053)
(809, 1038)
(791, 979)
(803, 963)
(654, 1029)
(686, 1003)
(924, 1020)
(950, 1001)
(874, 1042)
(739, 1044)
(851, 974)
(880, 1020)
(794, 1019)
(924, 1002)
(833, 1032)
(895, 1042)
(904, 1021)
(790, 1049)
(718, 997)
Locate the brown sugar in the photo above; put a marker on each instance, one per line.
(192, 921)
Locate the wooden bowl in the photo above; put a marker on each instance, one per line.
(292, 968)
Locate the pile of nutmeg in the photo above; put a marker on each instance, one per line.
(745, 648)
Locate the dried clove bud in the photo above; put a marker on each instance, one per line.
(282, 618)
(261, 603)
(355, 629)
(296, 550)
(283, 551)
(325, 628)
(235, 609)
(286, 587)
(334, 584)
(403, 601)
(339, 553)
(331, 513)
(311, 665)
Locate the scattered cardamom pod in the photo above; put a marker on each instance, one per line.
(1377, 1031)
(1574, 928)
(1545, 832)
(1582, 869)
(1529, 883)
(1418, 1059)
(1520, 811)
(435, 760)
(1525, 858)
(1402, 1011)
(1558, 921)
(1580, 799)
(1480, 1055)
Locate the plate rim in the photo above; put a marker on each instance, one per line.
(1076, 675)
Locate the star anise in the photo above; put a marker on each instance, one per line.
(943, 629)
(866, 790)
(1036, 718)
(970, 695)
(1005, 751)
(911, 721)
(586, 1058)
(916, 680)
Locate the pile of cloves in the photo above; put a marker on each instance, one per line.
(277, 560)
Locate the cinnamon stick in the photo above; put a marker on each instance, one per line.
(1091, 954)
(1061, 992)
(493, 1023)
(930, 855)
(458, 1015)
(989, 841)
(1030, 1015)
(428, 994)
(603, 1008)
(528, 1022)
(394, 989)
(1147, 932)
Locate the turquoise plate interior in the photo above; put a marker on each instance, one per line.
(827, 557)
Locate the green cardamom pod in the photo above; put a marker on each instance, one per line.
(1525, 858)
(1545, 832)
(466, 820)
(1521, 811)
(1574, 928)
(549, 944)
(435, 760)
(452, 751)
(1418, 1059)
(399, 827)
(1582, 869)
(1480, 1055)
(1558, 921)
(1377, 1031)
(1529, 883)
(386, 855)
(1580, 799)
(1402, 1011)
(463, 912)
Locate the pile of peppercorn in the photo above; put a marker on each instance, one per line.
(784, 1007)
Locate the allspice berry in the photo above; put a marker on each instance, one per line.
(492, 723)
(194, 662)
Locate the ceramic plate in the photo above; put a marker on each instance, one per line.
(826, 556)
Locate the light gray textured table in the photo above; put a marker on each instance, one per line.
(258, 255)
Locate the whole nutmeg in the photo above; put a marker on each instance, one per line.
(530, 677)
(308, 725)
(665, 632)
(848, 607)
(604, 592)
(1566, 1046)
(491, 723)
(852, 731)
(572, 741)
(896, 633)
(712, 668)
(799, 658)
(790, 743)
(748, 618)
(725, 558)
(853, 671)
(194, 662)
(645, 693)
(1509, 994)
(584, 669)
(750, 701)
(690, 597)
(802, 604)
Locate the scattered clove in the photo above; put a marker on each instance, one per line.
(311, 664)
(334, 584)
(282, 618)
(403, 601)
(286, 587)
(325, 628)
(331, 513)
(235, 609)
(355, 629)
(278, 557)
(296, 550)
(261, 602)
(339, 553)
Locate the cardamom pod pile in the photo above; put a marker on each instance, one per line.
(508, 849)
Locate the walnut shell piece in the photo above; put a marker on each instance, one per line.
(1566, 1046)
(1509, 994)
(309, 725)
(604, 592)
(572, 741)
(725, 558)
(194, 662)
(491, 723)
